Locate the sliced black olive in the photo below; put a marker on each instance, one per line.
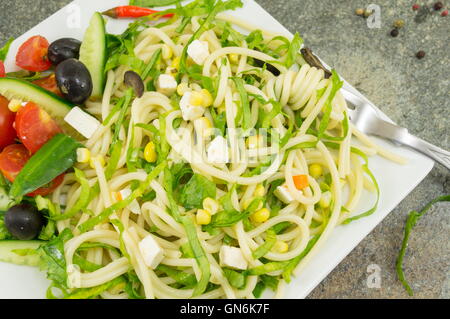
(74, 81)
(133, 80)
(23, 221)
(269, 67)
(312, 60)
(63, 49)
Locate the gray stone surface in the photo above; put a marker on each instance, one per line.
(413, 93)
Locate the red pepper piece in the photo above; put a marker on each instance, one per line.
(131, 12)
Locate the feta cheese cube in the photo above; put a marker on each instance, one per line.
(232, 257)
(134, 205)
(283, 194)
(218, 151)
(166, 84)
(190, 112)
(198, 51)
(82, 122)
(151, 252)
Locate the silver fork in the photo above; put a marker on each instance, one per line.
(364, 116)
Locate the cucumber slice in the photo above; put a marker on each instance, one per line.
(93, 53)
(15, 252)
(54, 105)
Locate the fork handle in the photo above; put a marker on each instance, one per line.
(436, 153)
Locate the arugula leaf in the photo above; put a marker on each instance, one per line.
(292, 264)
(4, 50)
(293, 50)
(122, 114)
(196, 190)
(235, 278)
(181, 277)
(219, 120)
(245, 104)
(412, 220)
(84, 264)
(336, 86)
(89, 293)
(271, 239)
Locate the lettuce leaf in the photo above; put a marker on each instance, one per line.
(196, 190)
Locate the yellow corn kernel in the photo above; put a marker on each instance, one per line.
(315, 170)
(196, 99)
(234, 58)
(203, 217)
(97, 159)
(207, 98)
(83, 155)
(176, 63)
(150, 152)
(255, 141)
(182, 88)
(211, 205)
(280, 247)
(260, 216)
(167, 52)
(260, 191)
(14, 105)
(325, 200)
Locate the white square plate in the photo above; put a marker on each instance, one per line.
(395, 181)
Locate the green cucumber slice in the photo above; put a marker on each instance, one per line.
(93, 53)
(20, 252)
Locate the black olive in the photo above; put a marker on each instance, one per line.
(74, 81)
(133, 80)
(23, 221)
(63, 49)
(269, 67)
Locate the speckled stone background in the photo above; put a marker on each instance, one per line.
(413, 93)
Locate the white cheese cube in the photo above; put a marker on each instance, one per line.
(190, 112)
(82, 122)
(218, 151)
(283, 194)
(134, 205)
(166, 84)
(232, 257)
(198, 51)
(151, 252)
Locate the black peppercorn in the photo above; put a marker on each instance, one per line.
(394, 33)
(420, 55)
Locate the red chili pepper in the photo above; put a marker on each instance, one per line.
(2, 69)
(132, 12)
(444, 13)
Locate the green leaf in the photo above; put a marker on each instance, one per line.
(235, 278)
(196, 190)
(89, 293)
(122, 113)
(53, 159)
(4, 50)
(412, 220)
(328, 107)
(293, 50)
(271, 239)
(152, 3)
(181, 277)
(245, 104)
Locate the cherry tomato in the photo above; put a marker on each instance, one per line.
(8, 133)
(32, 55)
(2, 70)
(12, 159)
(49, 83)
(49, 188)
(35, 127)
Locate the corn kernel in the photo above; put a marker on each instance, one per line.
(182, 88)
(315, 170)
(211, 205)
(176, 63)
(280, 247)
(234, 58)
(325, 200)
(14, 105)
(260, 191)
(203, 217)
(97, 159)
(207, 98)
(255, 141)
(150, 152)
(196, 99)
(83, 155)
(167, 52)
(260, 216)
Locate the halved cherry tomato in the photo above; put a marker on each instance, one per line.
(7, 131)
(35, 127)
(2, 70)
(13, 159)
(49, 83)
(32, 54)
(49, 188)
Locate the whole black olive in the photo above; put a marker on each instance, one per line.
(133, 80)
(23, 221)
(63, 49)
(74, 81)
